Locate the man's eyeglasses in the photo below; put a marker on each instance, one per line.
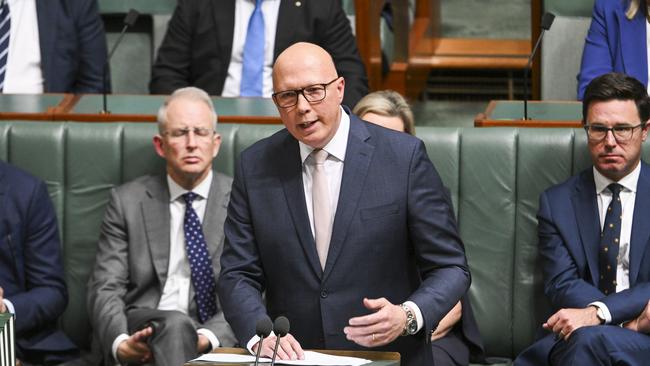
(313, 93)
(621, 133)
(179, 133)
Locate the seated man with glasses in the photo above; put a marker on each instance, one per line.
(152, 296)
(594, 239)
(344, 225)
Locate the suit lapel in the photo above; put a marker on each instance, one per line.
(357, 161)
(215, 212)
(47, 13)
(632, 35)
(640, 228)
(586, 211)
(224, 21)
(155, 213)
(294, 191)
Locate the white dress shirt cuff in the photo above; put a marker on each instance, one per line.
(116, 343)
(604, 309)
(10, 307)
(416, 311)
(214, 341)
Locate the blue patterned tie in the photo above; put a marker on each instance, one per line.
(5, 30)
(200, 262)
(609, 242)
(253, 59)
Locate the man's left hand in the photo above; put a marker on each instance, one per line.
(383, 326)
(202, 344)
(566, 321)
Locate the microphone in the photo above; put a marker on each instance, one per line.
(129, 21)
(262, 329)
(547, 21)
(281, 329)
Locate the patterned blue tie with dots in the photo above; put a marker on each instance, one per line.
(609, 242)
(200, 262)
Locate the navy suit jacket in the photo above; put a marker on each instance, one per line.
(394, 236)
(31, 272)
(198, 44)
(614, 44)
(73, 45)
(569, 236)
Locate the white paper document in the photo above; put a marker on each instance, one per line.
(311, 359)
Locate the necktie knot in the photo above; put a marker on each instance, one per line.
(615, 188)
(189, 197)
(320, 156)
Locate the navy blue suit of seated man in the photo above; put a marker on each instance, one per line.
(31, 272)
(594, 239)
(344, 225)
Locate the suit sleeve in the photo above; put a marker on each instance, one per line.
(172, 67)
(596, 56)
(337, 38)
(91, 47)
(563, 284)
(107, 285)
(439, 252)
(242, 280)
(45, 296)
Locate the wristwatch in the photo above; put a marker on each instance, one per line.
(411, 325)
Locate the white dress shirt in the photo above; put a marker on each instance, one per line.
(176, 291)
(627, 196)
(243, 11)
(23, 74)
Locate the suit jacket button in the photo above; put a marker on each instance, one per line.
(323, 294)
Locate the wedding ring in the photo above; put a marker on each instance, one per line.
(373, 337)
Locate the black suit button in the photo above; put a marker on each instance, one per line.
(323, 294)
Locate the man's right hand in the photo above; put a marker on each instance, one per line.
(135, 349)
(289, 348)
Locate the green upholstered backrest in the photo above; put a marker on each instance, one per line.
(132, 61)
(573, 8)
(562, 47)
(495, 176)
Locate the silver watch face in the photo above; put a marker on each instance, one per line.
(412, 326)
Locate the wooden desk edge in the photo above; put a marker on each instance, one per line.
(478, 122)
(98, 117)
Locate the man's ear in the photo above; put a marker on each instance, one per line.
(158, 145)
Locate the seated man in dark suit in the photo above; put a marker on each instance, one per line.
(594, 239)
(31, 273)
(152, 295)
(228, 47)
(51, 46)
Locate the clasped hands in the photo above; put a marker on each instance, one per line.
(136, 350)
(382, 326)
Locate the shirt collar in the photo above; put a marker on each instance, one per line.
(202, 190)
(628, 182)
(337, 145)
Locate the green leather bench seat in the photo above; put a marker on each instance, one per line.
(495, 176)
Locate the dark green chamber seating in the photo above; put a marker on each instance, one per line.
(495, 176)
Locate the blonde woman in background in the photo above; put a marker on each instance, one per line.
(456, 340)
